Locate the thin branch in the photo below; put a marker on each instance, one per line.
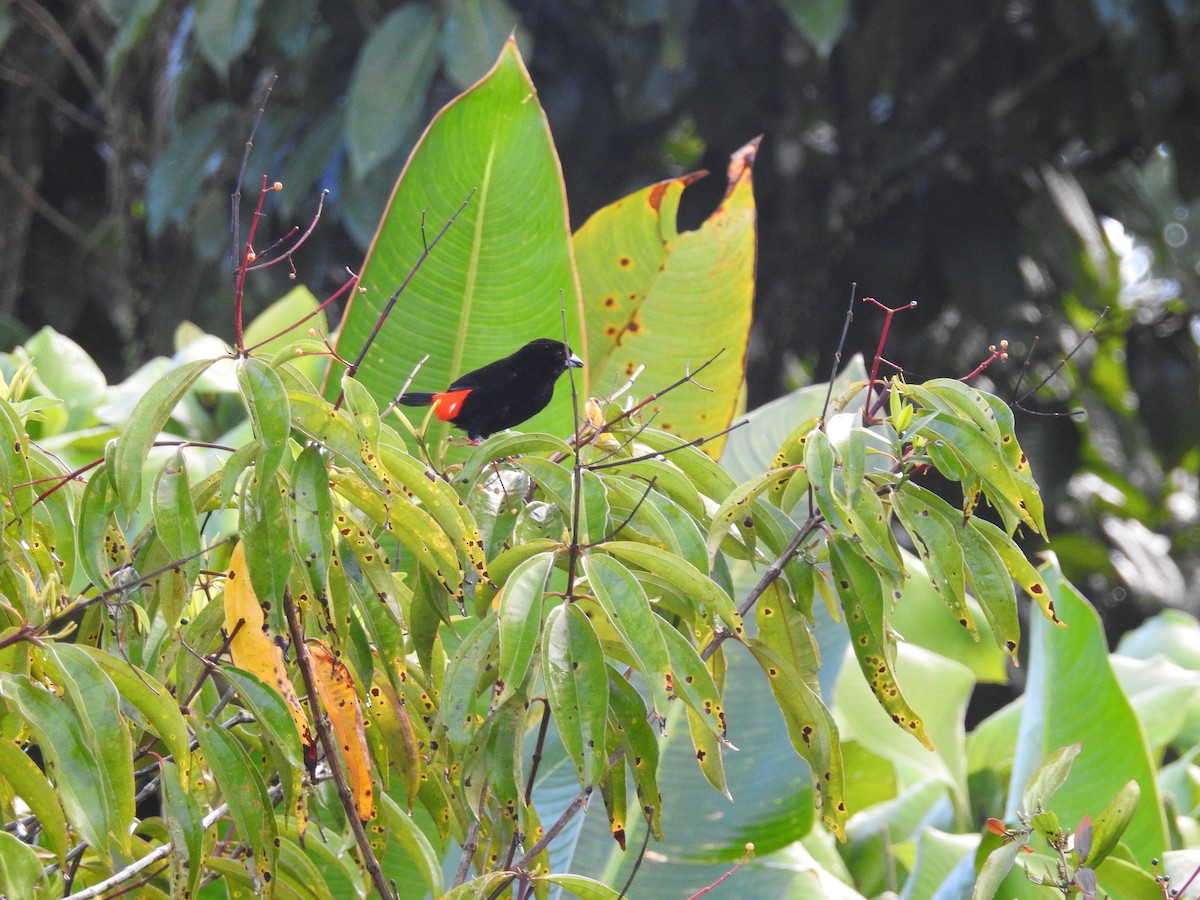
(235, 199)
(391, 303)
(41, 206)
(1016, 404)
(657, 453)
(837, 354)
(162, 851)
(629, 518)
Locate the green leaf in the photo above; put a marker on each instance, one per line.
(627, 714)
(26, 780)
(983, 459)
(438, 499)
(144, 425)
(310, 511)
(581, 887)
(735, 510)
(73, 763)
(266, 403)
(811, 730)
(224, 30)
(822, 477)
(184, 826)
(693, 681)
(481, 294)
(1048, 778)
(390, 83)
(510, 443)
(645, 284)
(69, 373)
(277, 724)
(96, 702)
(1098, 716)
(243, 790)
(577, 686)
(1020, 568)
(994, 870)
(520, 615)
(20, 868)
(175, 519)
(702, 472)
(1108, 827)
(861, 594)
(628, 611)
(690, 580)
(263, 526)
(470, 664)
(402, 827)
(934, 525)
(95, 516)
(149, 697)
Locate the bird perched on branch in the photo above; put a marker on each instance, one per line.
(502, 394)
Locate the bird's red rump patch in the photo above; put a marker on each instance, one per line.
(448, 405)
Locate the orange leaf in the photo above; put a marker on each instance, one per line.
(336, 689)
(252, 649)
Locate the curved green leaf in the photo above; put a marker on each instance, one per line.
(861, 594)
(690, 580)
(144, 425)
(184, 826)
(74, 764)
(20, 868)
(520, 615)
(266, 402)
(243, 790)
(628, 611)
(577, 686)
(26, 780)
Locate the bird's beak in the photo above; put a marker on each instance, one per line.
(574, 362)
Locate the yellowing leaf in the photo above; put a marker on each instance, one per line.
(336, 690)
(251, 647)
(645, 284)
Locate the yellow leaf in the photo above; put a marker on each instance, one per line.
(251, 647)
(668, 300)
(336, 689)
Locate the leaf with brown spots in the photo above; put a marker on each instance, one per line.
(646, 286)
(811, 730)
(1020, 568)
(251, 647)
(861, 594)
(336, 690)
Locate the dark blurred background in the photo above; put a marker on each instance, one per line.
(1015, 167)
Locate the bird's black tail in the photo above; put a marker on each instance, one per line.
(415, 398)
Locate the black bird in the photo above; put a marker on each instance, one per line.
(502, 394)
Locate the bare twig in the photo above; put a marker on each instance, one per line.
(235, 199)
(391, 303)
(1016, 404)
